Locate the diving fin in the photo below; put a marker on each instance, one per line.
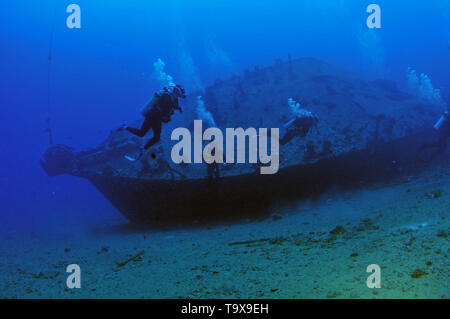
(288, 124)
(132, 160)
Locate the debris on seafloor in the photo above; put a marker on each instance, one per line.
(132, 258)
(411, 228)
(418, 273)
(248, 242)
(434, 194)
(338, 230)
(104, 249)
(443, 233)
(335, 233)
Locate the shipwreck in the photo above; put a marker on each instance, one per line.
(367, 130)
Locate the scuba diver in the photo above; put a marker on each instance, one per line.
(443, 128)
(159, 110)
(299, 126)
(213, 169)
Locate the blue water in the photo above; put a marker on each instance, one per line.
(102, 73)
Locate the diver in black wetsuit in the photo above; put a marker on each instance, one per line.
(443, 128)
(213, 169)
(158, 111)
(300, 126)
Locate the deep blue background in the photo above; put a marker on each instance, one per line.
(102, 73)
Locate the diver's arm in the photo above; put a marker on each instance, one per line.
(178, 107)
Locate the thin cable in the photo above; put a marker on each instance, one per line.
(49, 73)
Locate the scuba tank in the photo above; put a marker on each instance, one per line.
(146, 109)
(442, 121)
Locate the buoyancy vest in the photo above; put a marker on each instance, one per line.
(163, 102)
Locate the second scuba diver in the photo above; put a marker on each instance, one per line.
(443, 128)
(299, 126)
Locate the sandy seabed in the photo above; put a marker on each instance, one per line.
(318, 249)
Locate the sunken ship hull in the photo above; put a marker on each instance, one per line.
(367, 131)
